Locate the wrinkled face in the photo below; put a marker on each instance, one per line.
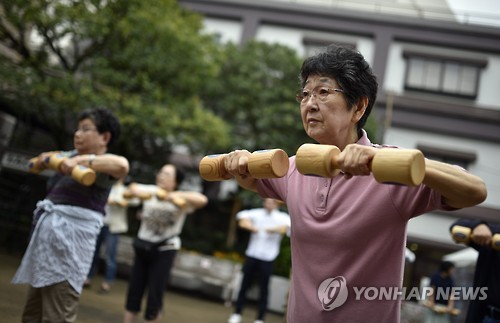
(166, 178)
(87, 140)
(326, 117)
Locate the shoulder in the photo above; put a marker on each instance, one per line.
(281, 215)
(249, 213)
(284, 217)
(435, 277)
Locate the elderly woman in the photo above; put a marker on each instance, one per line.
(349, 231)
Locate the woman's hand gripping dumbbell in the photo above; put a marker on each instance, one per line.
(483, 236)
(272, 163)
(133, 191)
(389, 165)
(54, 160)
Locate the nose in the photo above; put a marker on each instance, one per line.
(310, 105)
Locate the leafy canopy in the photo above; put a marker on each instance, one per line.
(146, 60)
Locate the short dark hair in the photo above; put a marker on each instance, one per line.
(445, 266)
(351, 71)
(179, 175)
(105, 120)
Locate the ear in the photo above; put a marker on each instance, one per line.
(360, 109)
(106, 136)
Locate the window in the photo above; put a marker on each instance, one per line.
(443, 75)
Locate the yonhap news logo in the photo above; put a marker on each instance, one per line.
(417, 294)
(333, 292)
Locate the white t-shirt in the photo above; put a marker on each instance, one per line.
(161, 219)
(116, 215)
(264, 245)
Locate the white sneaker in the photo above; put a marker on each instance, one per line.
(234, 318)
(258, 321)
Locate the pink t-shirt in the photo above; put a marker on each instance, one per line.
(346, 235)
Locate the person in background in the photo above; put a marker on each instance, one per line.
(66, 223)
(162, 218)
(115, 224)
(339, 223)
(486, 275)
(267, 226)
(440, 301)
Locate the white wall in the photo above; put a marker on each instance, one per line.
(432, 227)
(231, 31)
(293, 37)
(489, 94)
(228, 30)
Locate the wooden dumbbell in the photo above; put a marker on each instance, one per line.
(272, 163)
(34, 167)
(461, 234)
(120, 203)
(495, 241)
(141, 195)
(161, 194)
(441, 309)
(389, 165)
(81, 174)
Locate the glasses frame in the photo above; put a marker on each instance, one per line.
(303, 99)
(85, 130)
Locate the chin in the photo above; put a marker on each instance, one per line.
(313, 135)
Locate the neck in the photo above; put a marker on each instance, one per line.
(351, 138)
(100, 151)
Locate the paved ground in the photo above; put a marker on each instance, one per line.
(180, 307)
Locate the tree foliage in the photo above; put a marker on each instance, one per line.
(256, 94)
(146, 60)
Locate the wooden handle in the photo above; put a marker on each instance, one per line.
(83, 175)
(34, 167)
(161, 194)
(461, 234)
(320, 160)
(140, 195)
(55, 161)
(403, 166)
(441, 309)
(212, 167)
(389, 165)
(120, 203)
(271, 163)
(495, 241)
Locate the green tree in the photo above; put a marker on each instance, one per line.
(256, 95)
(147, 60)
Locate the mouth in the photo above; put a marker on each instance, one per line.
(312, 121)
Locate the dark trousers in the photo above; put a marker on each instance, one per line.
(151, 270)
(251, 268)
(95, 260)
